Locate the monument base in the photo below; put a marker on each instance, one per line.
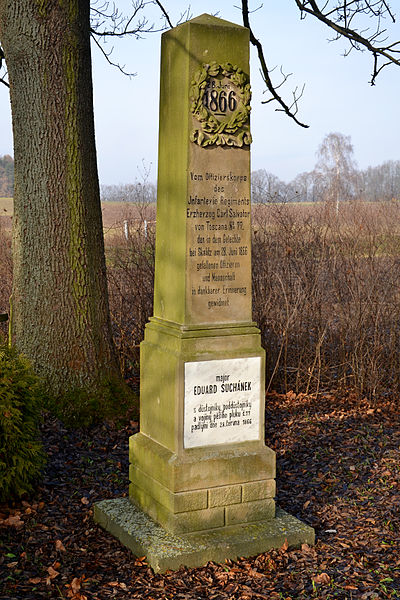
(163, 550)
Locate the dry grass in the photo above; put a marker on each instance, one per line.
(326, 291)
(326, 296)
(130, 268)
(5, 275)
(6, 213)
(115, 213)
(6, 207)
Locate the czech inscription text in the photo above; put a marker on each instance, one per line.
(222, 401)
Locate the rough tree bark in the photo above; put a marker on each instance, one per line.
(60, 306)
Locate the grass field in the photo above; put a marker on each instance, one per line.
(326, 295)
(6, 207)
(114, 213)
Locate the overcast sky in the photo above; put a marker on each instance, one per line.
(337, 96)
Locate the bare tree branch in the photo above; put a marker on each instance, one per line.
(340, 19)
(2, 57)
(291, 110)
(164, 12)
(120, 25)
(109, 22)
(123, 26)
(107, 57)
(184, 16)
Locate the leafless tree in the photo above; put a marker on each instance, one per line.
(381, 182)
(266, 187)
(337, 167)
(304, 187)
(361, 22)
(365, 24)
(108, 22)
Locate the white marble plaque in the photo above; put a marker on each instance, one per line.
(222, 401)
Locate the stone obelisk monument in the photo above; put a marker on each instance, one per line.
(200, 468)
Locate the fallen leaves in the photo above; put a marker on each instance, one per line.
(317, 441)
(322, 578)
(73, 589)
(118, 584)
(12, 521)
(14, 518)
(60, 546)
(285, 546)
(52, 574)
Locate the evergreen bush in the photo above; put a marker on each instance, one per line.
(21, 451)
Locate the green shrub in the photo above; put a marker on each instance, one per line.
(21, 452)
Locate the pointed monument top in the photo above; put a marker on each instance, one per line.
(206, 19)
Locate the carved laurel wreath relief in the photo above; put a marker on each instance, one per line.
(220, 102)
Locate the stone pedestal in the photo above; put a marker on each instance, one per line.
(184, 482)
(164, 550)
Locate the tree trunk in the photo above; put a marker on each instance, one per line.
(60, 306)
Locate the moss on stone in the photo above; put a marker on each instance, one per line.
(164, 550)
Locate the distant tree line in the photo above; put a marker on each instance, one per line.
(335, 178)
(139, 193)
(374, 184)
(6, 176)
